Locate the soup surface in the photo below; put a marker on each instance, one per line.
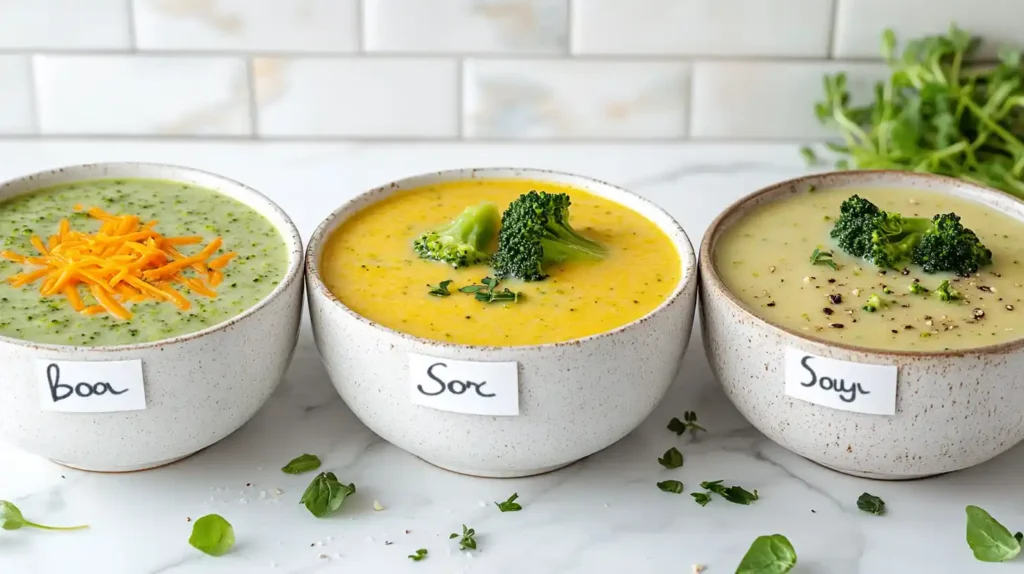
(181, 210)
(369, 264)
(764, 259)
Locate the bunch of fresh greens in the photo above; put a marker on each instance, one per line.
(936, 113)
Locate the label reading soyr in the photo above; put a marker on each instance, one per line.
(469, 387)
(843, 385)
(90, 386)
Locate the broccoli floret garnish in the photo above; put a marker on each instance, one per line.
(875, 303)
(890, 240)
(947, 293)
(949, 246)
(463, 241)
(535, 232)
(918, 289)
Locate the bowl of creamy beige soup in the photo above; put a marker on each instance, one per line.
(870, 321)
(501, 322)
(146, 311)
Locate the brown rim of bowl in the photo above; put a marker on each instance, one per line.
(709, 273)
(687, 259)
(290, 235)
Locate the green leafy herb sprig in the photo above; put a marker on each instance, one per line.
(441, 290)
(871, 504)
(771, 554)
(466, 540)
(213, 535)
(510, 505)
(673, 486)
(689, 422)
(671, 459)
(819, 257)
(734, 494)
(418, 555)
(989, 540)
(325, 494)
(935, 113)
(302, 463)
(12, 519)
(488, 293)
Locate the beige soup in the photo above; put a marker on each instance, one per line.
(764, 259)
(369, 264)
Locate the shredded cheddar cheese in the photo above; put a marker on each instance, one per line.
(125, 262)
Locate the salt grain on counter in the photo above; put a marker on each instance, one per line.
(377, 506)
(278, 491)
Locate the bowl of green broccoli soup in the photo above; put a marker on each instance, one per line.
(869, 320)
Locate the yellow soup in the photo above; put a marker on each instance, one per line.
(764, 259)
(369, 264)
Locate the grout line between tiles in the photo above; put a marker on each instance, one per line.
(133, 36)
(834, 17)
(250, 81)
(361, 26)
(460, 98)
(570, 32)
(33, 92)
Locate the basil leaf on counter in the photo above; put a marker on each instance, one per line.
(325, 494)
(989, 540)
(768, 555)
(213, 535)
(301, 464)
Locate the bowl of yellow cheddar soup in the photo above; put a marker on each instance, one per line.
(871, 321)
(146, 311)
(501, 322)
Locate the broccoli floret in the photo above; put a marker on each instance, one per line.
(463, 241)
(918, 289)
(875, 303)
(890, 240)
(947, 293)
(535, 232)
(949, 246)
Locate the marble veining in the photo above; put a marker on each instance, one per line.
(603, 515)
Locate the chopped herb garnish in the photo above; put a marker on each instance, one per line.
(702, 498)
(989, 540)
(418, 555)
(213, 535)
(441, 290)
(671, 486)
(871, 504)
(819, 257)
(12, 519)
(467, 540)
(487, 291)
(325, 494)
(689, 422)
(672, 458)
(768, 555)
(734, 494)
(510, 505)
(947, 293)
(301, 464)
(917, 289)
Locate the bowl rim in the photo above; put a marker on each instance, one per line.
(684, 246)
(247, 195)
(712, 284)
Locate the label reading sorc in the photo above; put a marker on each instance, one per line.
(843, 385)
(91, 386)
(469, 387)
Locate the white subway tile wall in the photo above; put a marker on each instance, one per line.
(522, 70)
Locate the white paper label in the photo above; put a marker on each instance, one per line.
(469, 387)
(843, 385)
(91, 386)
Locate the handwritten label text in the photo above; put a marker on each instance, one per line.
(90, 386)
(843, 385)
(470, 387)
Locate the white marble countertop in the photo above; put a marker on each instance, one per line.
(601, 515)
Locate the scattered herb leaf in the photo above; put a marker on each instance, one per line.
(671, 486)
(441, 290)
(510, 505)
(989, 540)
(768, 555)
(734, 494)
(871, 504)
(701, 498)
(487, 291)
(467, 540)
(213, 535)
(325, 494)
(672, 458)
(689, 422)
(301, 464)
(819, 257)
(12, 519)
(419, 555)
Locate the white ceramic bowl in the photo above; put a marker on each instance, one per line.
(954, 410)
(575, 398)
(200, 387)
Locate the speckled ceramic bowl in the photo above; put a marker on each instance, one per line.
(953, 410)
(575, 398)
(199, 387)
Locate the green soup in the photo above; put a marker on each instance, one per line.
(182, 210)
